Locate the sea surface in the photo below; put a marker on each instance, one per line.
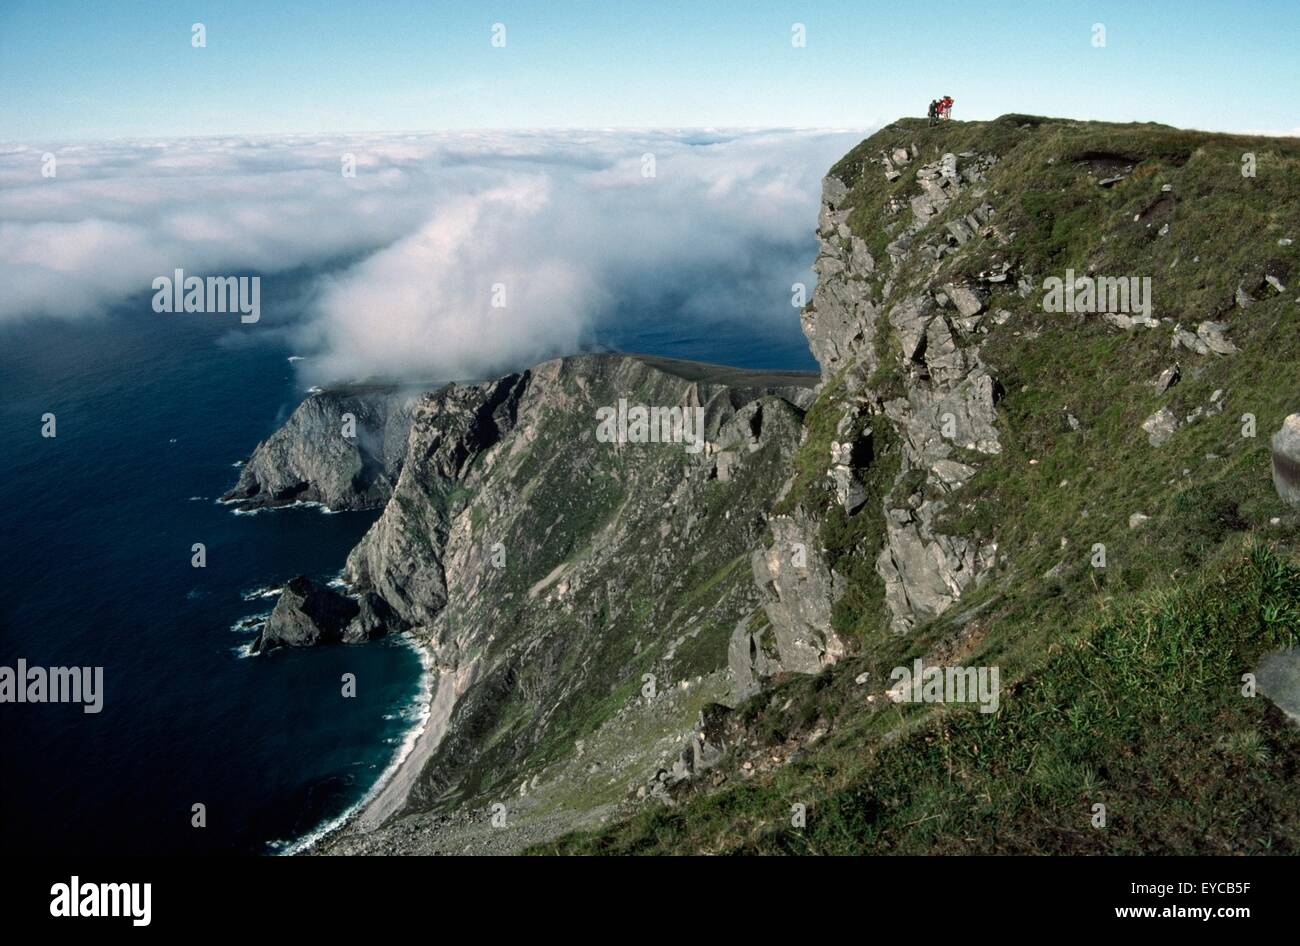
(153, 414)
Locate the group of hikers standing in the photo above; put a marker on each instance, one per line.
(941, 110)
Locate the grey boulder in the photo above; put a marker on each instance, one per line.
(1286, 460)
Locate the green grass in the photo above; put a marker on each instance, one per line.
(1138, 708)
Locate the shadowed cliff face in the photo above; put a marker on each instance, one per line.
(564, 569)
(557, 577)
(341, 448)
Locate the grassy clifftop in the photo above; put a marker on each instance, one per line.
(1122, 681)
(1045, 190)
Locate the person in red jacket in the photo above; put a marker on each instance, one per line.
(945, 107)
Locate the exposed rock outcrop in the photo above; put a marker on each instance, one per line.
(948, 408)
(839, 324)
(1160, 426)
(306, 614)
(341, 448)
(793, 634)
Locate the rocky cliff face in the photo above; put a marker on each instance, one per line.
(867, 316)
(341, 448)
(555, 578)
(563, 573)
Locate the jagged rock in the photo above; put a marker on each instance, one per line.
(509, 504)
(315, 458)
(752, 657)
(306, 614)
(951, 404)
(947, 361)
(1160, 426)
(951, 473)
(850, 453)
(939, 186)
(910, 319)
(839, 322)
(861, 263)
(512, 530)
(826, 266)
(995, 275)
(798, 594)
(968, 301)
(959, 231)
(374, 619)
(849, 492)
(724, 464)
(833, 192)
(1168, 378)
(1185, 339)
(705, 748)
(1286, 460)
(709, 745)
(925, 572)
(1127, 322)
(1137, 519)
(1215, 406)
(400, 558)
(1212, 335)
(460, 433)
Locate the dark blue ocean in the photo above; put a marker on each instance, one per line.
(152, 411)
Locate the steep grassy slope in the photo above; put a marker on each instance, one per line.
(1121, 681)
(1138, 708)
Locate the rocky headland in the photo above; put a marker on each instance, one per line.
(643, 647)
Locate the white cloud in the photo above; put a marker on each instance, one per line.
(409, 250)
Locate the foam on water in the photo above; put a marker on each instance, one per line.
(418, 710)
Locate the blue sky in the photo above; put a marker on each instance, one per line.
(116, 68)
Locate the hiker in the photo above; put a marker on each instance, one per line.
(934, 111)
(945, 107)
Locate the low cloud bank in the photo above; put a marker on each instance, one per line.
(470, 253)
